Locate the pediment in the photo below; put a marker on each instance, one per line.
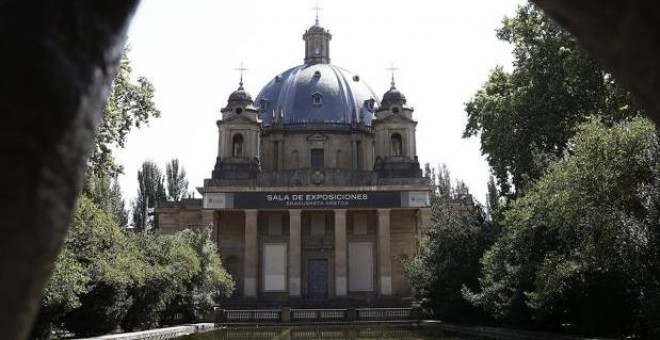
(317, 137)
(235, 118)
(395, 118)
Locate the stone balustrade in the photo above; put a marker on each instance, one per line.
(317, 315)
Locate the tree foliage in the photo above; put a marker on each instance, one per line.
(100, 246)
(151, 190)
(171, 264)
(492, 198)
(107, 277)
(185, 277)
(208, 284)
(577, 238)
(526, 117)
(177, 183)
(105, 192)
(130, 104)
(449, 251)
(582, 247)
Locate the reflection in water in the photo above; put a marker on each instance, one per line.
(352, 332)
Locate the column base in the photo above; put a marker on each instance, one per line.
(294, 287)
(386, 285)
(250, 287)
(340, 286)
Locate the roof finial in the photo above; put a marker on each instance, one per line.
(317, 9)
(241, 69)
(392, 69)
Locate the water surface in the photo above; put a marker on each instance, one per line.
(352, 332)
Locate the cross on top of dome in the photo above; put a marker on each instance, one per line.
(317, 9)
(241, 69)
(392, 69)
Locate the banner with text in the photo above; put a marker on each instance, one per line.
(317, 200)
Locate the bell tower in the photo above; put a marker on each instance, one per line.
(395, 146)
(238, 137)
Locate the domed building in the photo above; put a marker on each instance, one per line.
(317, 192)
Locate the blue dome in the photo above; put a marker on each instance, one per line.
(319, 93)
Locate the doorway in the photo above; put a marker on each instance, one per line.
(317, 279)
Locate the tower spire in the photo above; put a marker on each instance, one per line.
(392, 69)
(317, 9)
(241, 69)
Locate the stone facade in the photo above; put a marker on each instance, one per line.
(317, 192)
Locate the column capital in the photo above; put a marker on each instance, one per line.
(340, 211)
(250, 211)
(384, 211)
(295, 212)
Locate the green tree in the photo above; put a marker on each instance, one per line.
(170, 264)
(207, 286)
(105, 192)
(69, 280)
(492, 197)
(177, 183)
(582, 247)
(526, 117)
(449, 251)
(87, 291)
(104, 249)
(151, 190)
(106, 277)
(130, 104)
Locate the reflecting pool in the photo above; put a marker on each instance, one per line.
(329, 332)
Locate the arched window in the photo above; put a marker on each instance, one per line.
(237, 146)
(396, 145)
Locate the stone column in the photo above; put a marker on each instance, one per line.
(340, 253)
(413, 143)
(251, 258)
(354, 155)
(384, 258)
(280, 154)
(221, 144)
(254, 142)
(294, 253)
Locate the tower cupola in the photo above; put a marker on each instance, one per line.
(393, 97)
(240, 100)
(317, 44)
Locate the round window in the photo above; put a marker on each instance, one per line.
(395, 109)
(238, 110)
